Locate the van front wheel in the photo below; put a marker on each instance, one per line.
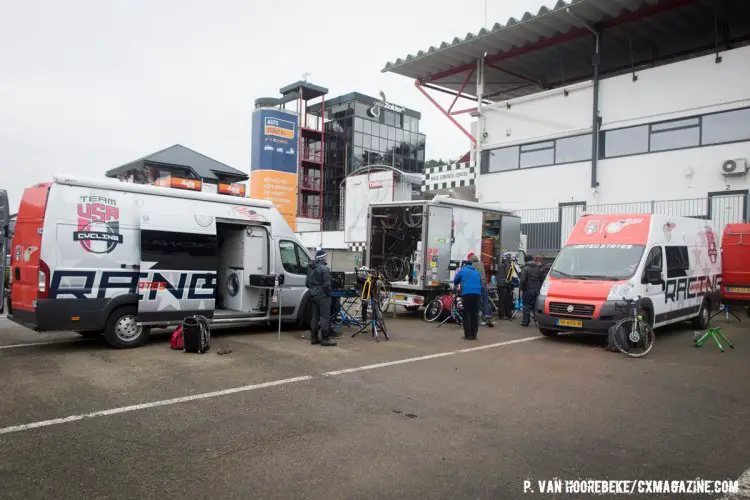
(123, 330)
(701, 321)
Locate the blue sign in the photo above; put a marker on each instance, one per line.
(274, 141)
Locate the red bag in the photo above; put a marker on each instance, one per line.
(177, 342)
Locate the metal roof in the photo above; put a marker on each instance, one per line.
(356, 96)
(180, 156)
(554, 47)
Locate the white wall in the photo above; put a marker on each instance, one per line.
(326, 239)
(686, 88)
(304, 224)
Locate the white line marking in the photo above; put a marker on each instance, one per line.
(390, 363)
(507, 342)
(154, 404)
(205, 395)
(69, 341)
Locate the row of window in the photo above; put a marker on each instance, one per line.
(704, 130)
(387, 116)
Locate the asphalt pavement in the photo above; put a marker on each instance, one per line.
(423, 415)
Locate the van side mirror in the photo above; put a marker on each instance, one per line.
(652, 275)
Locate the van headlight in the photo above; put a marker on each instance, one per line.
(619, 290)
(545, 287)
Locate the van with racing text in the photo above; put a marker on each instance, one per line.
(672, 263)
(113, 258)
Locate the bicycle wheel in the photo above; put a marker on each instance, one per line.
(633, 337)
(384, 298)
(433, 310)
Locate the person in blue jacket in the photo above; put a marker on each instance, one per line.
(471, 295)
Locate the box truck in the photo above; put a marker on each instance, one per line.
(107, 257)
(419, 244)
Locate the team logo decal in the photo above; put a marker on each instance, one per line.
(713, 254)
(592, 227)
(247, 214)
(29, 252)
(98, 224)
(667, 229)
(616, 227)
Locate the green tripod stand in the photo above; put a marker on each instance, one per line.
(714, 333)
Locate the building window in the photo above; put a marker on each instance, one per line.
(358, 124)
(391, 134)
(675, 134)
(626, 141)
(572, 149)
(535, 155)
(357, 138)
(367, 126)
(502, 159)
(726, 127)
(360, 109)
(389, 117)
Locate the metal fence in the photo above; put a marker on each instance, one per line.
(547, 229)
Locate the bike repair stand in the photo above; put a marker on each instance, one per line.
(725, 309)
(375, 322)
(714, 333)
(277, 288)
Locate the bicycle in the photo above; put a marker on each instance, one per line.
(632, 335)
(437, 306)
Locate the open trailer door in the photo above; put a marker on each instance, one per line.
(178, 267)
(439, 241)
(4, 242)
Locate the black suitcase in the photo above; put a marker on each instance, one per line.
(196, 335)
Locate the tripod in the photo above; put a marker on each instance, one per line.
(713, 333)
(371, 296)
(725, 309)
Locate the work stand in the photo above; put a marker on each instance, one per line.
(713, 333)
(727, 311)
(376, 323)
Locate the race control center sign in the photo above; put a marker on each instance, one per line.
(274, 159)
(448, 176)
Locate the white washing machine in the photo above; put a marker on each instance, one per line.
(236, 296)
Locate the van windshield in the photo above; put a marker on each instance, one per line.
(597, 262)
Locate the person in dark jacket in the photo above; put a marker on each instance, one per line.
(505, 288)
(531, 282)
(319, 284)
(471, 295)
(479, 266)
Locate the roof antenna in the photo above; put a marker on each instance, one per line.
(305, 75)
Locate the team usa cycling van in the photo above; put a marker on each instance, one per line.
(113, 258)
(671, 262)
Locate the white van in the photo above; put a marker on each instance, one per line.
(113, 258)
(671, 262)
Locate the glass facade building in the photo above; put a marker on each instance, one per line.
(356, 137)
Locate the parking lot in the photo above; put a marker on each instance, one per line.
(424, 415)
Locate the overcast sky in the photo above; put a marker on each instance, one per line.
(87, 85)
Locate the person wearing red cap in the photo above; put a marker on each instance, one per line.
(476, 264)
(471, 294)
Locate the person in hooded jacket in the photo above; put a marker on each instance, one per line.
(531, 283)
(319, 283)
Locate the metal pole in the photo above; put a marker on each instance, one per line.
(595, 120)
(276, 287)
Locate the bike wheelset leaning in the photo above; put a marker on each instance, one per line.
(632, 337)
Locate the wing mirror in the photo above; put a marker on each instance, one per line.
(652, 275)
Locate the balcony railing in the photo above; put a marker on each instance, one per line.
(310, 182)
(315, 155)
(310, 211)
(312, 122)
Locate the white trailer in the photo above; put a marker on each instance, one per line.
(419, 244)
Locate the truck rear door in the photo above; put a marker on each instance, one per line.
(439, 233)
(735, 262)
(4, 222)
(178, 267)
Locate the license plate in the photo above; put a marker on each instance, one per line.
(737, 289)
(570, 322)
(399, 297)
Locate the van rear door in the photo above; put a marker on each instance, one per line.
(4, 222)
(735, 261)
(29, 274)
(178, 267)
